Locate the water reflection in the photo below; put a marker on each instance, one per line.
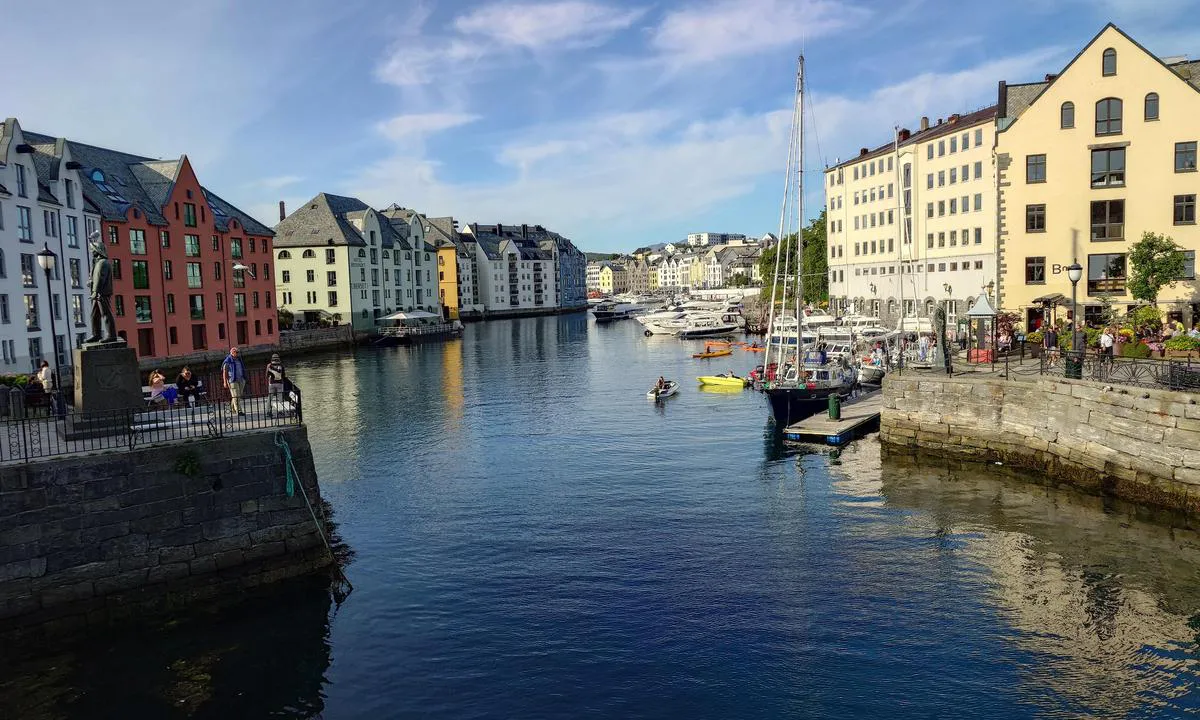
(266, 658)
(1102, 594)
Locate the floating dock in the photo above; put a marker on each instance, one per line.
(859, 417)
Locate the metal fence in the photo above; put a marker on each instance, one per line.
(63, 430)
(1137, 372)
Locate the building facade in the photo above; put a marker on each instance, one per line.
(515, 276)
(191, 272)
(42, 205)
(1066, 147)
(706, 239)
(913, 222)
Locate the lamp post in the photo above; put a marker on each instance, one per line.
(1074, 273)
(47, 260)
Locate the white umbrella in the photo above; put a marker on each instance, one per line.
(411, 315)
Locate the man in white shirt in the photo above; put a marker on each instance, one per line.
(1106, 343)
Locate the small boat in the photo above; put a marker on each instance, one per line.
(722, 381)
(656, 393)
(713, 354)
(754, 348)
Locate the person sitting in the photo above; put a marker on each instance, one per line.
(661, 384)
(157, 386)
(185, 384)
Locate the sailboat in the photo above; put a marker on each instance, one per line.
(799, 381)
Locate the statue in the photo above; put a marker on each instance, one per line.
(103, 325)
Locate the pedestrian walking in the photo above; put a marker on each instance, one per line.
(46, 377)
(233, 375)
(1050, 343)
(276, 376)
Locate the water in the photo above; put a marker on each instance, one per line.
(535, 539)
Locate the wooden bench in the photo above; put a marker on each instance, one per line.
(201, 390)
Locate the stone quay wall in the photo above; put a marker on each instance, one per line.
(93, 539)
(1137, 444)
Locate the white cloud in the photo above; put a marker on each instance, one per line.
(535, 26)
(417, 125)
(730, 28)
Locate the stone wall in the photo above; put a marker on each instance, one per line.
(1137, 444)
(94, 538)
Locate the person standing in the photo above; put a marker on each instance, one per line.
(1050, 342)
(233, 375)
(46, 377)
(1106, 344)
(275, 377)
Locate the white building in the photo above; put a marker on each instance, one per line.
(513, 276)
(707, 239)
(593, 275)
(41, 205)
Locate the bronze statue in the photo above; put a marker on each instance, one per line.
(103, 324)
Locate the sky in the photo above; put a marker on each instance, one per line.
(617, 123)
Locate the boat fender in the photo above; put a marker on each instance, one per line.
(647, 333)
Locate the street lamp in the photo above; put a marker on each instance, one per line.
(47, 260)
(1074, 273)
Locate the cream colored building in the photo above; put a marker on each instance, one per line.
(1067, 147)
(913, 222)
(614, 279)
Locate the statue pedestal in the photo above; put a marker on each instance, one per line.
(107, 382)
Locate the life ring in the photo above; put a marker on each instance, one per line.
(647, 333)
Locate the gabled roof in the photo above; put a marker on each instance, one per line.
(321, 222)
(1018, 98)
(948, 127)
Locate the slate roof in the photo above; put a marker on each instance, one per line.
(141, 182)
(321, 222)
(948, 127)
(402, 219)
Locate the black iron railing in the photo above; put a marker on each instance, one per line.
(64, 430)
(1138, 372)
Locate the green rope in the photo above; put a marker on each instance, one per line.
(288, 464)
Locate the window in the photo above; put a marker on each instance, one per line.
(189, 214)
(31, 311)
(137, 242)
(1106, 274)
(333, 298)
(170, 303)
(252, 245)
(331, 278)
(1035, 218)
(929, 181)
(119, 305)
(978, 137)
(285, 276)
(76, 309)
(1035, 270)
(1108, 117)
(239, 278)
(953, 205)
(941, 178)
(194, 280)
(978, 236)
(196, 307)
(1108, 62)
(941, 208)
(929, 240)
(311, 275)
(941, 148)
(978, 201)
(1189, 265)
(1151, 106)
(953, 144)
(191, 245)
(1185, 209)
(164, 238)
(330, 255)
(221, 301)
(28, 276)
(1035, 168)
(1108, 167)
(953, 175)
(141, 308)
(239, 304)
(1185, 156)
(929, 210)
(24, 224)
(1108, 220)
(953, 238)
(22, 188)
(72, 231)
(978, 169)
(141, 275)
(941, 239)
(254, 299)
(217, 270)
(1066, 115)
(929, 154)
(73, 267)
(173, 335)
(116, 268)
(50, 222)
(285, 255)
(235, 248)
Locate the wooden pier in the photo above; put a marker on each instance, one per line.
(859, 417)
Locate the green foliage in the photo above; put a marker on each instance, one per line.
(1135, 350)
(1145, 317)
(816, 264)
(1107, 315)
(19, 380)
(284, 317)
(1155, 262)
(1183, 342)
(188, 464)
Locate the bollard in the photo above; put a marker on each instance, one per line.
(16, 403)
(835, 407)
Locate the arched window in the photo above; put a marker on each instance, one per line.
(309, 254)
(285, 255)
(362, 253)
(1109, 64)
(1108, 116)
(1152, 106)
(1066, 115)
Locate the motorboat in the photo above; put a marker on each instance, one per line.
(818, 320)
(612, 310)
(669, 389)
(785, 330)
(722, 381)
(702, 327)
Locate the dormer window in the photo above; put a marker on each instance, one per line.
(22, 188)
(1109, 62)
(102, 185)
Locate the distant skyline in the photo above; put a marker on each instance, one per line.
(617, 124)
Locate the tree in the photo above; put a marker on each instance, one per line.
(816, 265)
(1157, 262)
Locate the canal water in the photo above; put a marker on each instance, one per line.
(533, 538)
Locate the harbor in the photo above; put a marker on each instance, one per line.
(514, 557)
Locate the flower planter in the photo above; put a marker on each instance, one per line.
(1183, 354)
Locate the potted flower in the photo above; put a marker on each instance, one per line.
(1182, 346)
(1124, 336)
(1034, 339)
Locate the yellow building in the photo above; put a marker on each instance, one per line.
(614, 279)
(1064, 149)
(447, 261)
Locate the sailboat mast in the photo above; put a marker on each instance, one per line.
(799, 209)
(782, 236)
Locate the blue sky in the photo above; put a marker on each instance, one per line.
(616, 123)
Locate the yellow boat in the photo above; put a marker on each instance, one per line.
(722, 381)
(713, 354)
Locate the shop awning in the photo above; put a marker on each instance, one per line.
(411, 315)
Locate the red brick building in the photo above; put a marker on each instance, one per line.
(177, 252)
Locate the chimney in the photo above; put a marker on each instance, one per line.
(282, 212)
(500, 229)
(862, 151)
(924, 123)
(1002, 100)
(524, 230)
(905, 134)
(953, 118)
(1050, 77)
